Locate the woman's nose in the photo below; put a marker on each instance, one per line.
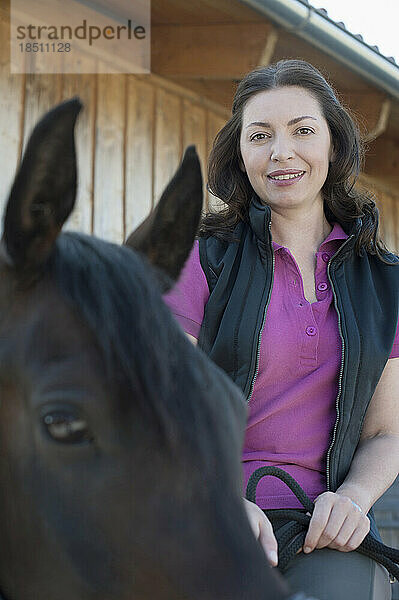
(281, 149)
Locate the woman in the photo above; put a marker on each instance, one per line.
(291, 291)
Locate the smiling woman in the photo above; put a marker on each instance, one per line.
(302, 145)
(291, 80)
(292, 292)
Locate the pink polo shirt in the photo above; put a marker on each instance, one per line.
(292, 408)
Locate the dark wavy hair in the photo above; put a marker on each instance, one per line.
(342, 202)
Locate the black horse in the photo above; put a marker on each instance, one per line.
(120, 442)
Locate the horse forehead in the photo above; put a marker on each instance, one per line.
(42, 326)
(48, 351)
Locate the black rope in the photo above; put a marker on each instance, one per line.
(291, 536)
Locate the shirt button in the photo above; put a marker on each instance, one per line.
(325, 257)
(311, 330)
(322, 287)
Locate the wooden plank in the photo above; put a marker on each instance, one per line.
(180, 89)
(382, 187)
(195, 132)
(109, 158)
(381, 159)
(168, 139)
(83, 86)
(200, 11)
(11, 111)
(207, 51)
(387, 205)
(218, 95)
(139, 152)
(388, 220)
(266, 57)
(366, 106)
(214, 125)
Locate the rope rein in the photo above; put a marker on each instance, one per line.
(291, 536)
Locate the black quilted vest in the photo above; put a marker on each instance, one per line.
(366, 292)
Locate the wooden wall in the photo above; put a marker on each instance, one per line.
(130, 138)
(387, 200)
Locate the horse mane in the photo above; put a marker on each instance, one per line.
(148, 359)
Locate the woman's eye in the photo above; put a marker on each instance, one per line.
(257, 136)
(306, 129)
(66, 427)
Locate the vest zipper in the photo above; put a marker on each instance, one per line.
(264, 319)
(342, 364)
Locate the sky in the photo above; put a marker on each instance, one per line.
(376, 20)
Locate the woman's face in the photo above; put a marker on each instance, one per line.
(284, 130)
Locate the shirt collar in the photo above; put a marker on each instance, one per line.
(332, 242)
(259, 220)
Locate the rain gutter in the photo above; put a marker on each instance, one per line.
(303, 20)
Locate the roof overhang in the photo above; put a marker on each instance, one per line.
(298, 17)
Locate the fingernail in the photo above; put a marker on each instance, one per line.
(273, 557)
(306, 549)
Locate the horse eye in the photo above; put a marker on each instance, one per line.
(67, 427)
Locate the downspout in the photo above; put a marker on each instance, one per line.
(298, 17)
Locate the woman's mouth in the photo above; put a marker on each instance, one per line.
(288, 179)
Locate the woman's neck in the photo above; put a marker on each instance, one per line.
(300, 232)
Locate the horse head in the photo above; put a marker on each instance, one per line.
(120, 442)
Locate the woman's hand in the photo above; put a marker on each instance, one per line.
(263, 530)
(337, 522)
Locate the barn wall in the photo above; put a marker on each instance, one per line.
(130, 138)
(387, 200)
(388, 204)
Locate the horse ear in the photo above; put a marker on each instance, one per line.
(43, 193)
(167, 235)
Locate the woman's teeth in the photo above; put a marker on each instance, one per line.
(290, 176)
